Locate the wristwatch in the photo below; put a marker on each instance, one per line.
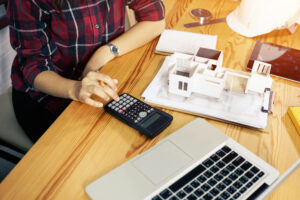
(113, 48)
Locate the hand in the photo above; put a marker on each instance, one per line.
(90, 85)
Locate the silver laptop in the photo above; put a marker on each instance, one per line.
(195, 162)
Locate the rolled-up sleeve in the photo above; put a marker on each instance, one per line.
(29, 37)
(148, 10)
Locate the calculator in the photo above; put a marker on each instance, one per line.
(148, 120)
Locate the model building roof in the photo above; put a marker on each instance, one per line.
(208, 53)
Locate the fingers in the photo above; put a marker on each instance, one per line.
(90, 85)
(112, 83)
(100, 91)
(92, 102)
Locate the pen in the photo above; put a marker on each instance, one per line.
(101, 83)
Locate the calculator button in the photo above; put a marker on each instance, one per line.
(143, 114)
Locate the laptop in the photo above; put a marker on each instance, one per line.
(195, 162)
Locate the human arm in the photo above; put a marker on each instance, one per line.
(78, 90)
(34, 69)
(150, 17)
(138, 35)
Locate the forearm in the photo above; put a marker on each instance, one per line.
(51, 83)
(138, 35)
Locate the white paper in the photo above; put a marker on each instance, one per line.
(233, 106)
(184, 42)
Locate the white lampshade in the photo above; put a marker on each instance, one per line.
(256, 17)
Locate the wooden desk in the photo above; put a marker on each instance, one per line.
(85, 143)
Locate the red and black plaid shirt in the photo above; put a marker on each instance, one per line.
(63, 41)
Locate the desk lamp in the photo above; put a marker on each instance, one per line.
(257, 17)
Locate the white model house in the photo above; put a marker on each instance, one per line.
(203, 74)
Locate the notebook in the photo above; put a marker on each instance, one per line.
(172, 41)
(195, 162)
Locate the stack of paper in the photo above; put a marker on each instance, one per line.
(172, 41)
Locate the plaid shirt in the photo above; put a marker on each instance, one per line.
(47, 39)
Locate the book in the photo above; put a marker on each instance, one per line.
(172, 41)
(294, 113)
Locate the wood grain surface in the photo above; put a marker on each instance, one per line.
(85, 143)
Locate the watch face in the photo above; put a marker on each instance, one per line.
(115, 50)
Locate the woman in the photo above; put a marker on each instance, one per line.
(60, 45)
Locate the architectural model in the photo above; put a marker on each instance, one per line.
(203, 74)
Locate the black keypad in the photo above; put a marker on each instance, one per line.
(201, 179)
(157, 198)
(208, 197)
(207, 163)
(205, 187)
(181, 194)
(188, 189)
(192, 197)
(249, 174)
(214, 157)
(238, 161)
(221, 186)
(195, 184)
(220, 153)
(221, 164)
(208, 174)
(212, 182)
(230, 157)
(226, 149)
(225, 172)
(231, 190)
(165, 194)
(237, 184)
(131, 108)
(199, 192)
(173, 198)
(246, 165)
(224, 175)
(254, 169)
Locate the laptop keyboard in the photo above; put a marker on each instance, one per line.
(224, 175)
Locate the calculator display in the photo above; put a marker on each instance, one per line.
(151, 120)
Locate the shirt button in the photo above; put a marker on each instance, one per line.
(97, 26)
